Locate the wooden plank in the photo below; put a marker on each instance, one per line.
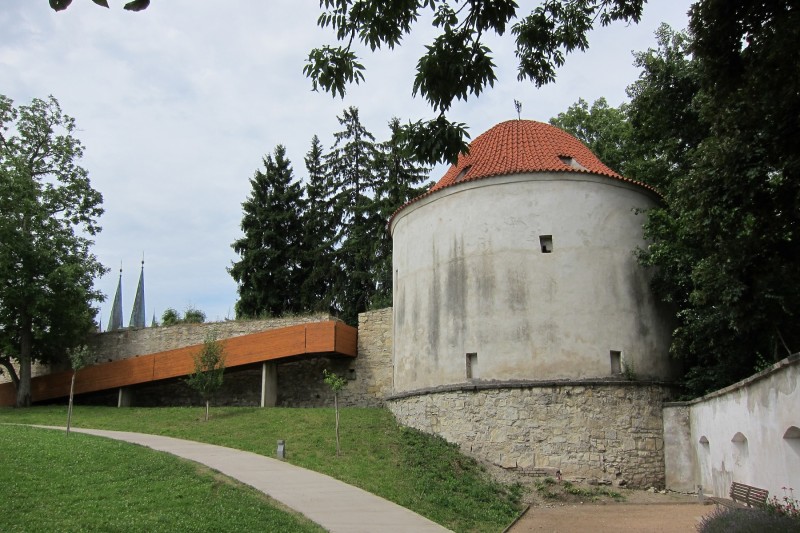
(346, 340)
(320, 337)
(316, 338)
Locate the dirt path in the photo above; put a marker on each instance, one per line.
(617, 518)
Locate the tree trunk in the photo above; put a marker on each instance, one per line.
(25, 349)
(207, 402)
(336, 409)
(71, 393)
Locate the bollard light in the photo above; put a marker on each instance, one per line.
(281, 449)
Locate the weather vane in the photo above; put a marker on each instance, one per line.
(518, 105)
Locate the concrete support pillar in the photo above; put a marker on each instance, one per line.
(269, 384)
(124, 397)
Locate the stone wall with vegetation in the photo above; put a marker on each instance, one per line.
(369, 376)
(115, 345)
(610, 432)
(299, 382)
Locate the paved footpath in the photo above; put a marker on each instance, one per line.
(333, 504)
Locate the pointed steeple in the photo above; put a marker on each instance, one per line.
(137, 314)
(116, 309)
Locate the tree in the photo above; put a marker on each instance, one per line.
(664, 115)
(50, 213)
(725, 242)
(134, 5)
(193, 316)
(78, 358)
(268, 273)
(171, 317)
(727, 247)
(605, 130)
(336, 383)
(209, 367)
(400, 179)
(319, 234)
(351, 169)
(457, 63)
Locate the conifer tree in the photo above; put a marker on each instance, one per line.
(269, 272)
(319, 233)
(351, 169)
(400, 180)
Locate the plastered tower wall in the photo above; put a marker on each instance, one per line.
(470, 277)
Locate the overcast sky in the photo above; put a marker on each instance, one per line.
(178, 104)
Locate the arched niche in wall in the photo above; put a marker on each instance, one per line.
(792, 438)
(792, 433)
(740, 448)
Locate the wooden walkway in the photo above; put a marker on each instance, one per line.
(292, 342)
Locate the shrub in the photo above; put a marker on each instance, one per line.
(727, 520)
(786, 506)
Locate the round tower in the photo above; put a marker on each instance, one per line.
(519, 264)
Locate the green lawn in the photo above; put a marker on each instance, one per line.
(49, 482)
(417, 471)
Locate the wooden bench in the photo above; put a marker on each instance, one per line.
(743, 497)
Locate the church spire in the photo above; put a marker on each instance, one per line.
(137, 314)
(116, 309)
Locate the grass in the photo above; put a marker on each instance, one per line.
(86, 483)
(415, 470)
(550, 489)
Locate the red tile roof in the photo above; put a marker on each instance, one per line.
(522, 146)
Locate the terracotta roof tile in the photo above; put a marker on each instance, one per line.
(522, 146)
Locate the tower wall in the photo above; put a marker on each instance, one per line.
(477, 299)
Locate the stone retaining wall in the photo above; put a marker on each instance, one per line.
(299, 382)
(607, 431)
(369, 375)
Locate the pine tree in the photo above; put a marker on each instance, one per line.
(351, 169)
(269, 273)
(319, 232)
(400, 181)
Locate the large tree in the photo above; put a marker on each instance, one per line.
(604, 129)
(319, 233)
(351, 169)
(49, 215)
(400, 179)
(268, 273)
(458, 64)
(725, 243)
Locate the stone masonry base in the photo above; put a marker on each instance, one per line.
(605, 431)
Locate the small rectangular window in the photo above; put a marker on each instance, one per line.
(546, 242)
(472, 365)
(616, 362)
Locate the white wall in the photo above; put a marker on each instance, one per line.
(748, 429)
(470, 277)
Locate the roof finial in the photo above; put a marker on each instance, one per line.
(518, 105)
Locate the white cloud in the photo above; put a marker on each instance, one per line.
(178, 104)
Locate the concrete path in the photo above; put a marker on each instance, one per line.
(336, 506)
